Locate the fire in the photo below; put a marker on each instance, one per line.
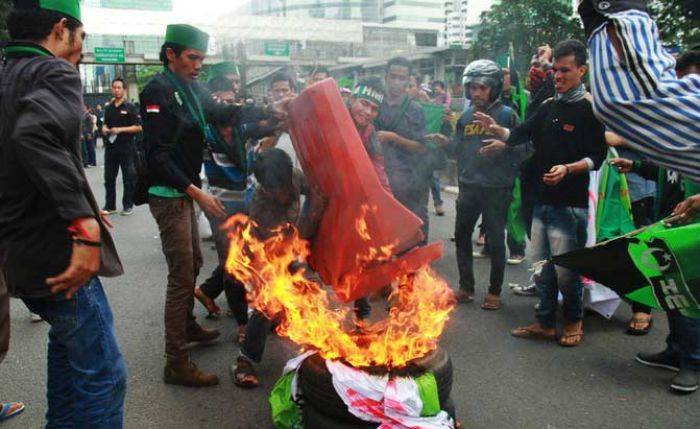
(279, 286)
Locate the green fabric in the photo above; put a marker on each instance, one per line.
(165, 192)
(345, 82)
(285, 412)
(433, 117)
(369, 94)
(186, 96)
(668, 258)
(516, 221)
(188, 36)
(428, 391)
(66, 7)
(614, 214)
(222, 69)
(691, 188)
(26, 49)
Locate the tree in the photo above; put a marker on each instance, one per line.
(678, 21)
(5, 7)
(526, 24)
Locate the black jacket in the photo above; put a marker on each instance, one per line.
(173, 140)
(43, 187)
(563, 133)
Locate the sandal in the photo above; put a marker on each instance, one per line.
(208, 303)
(491, 303)
(636, 321)
(572, 335)
(464, 297)
(535, 332)
(10, 409)
(244, 375)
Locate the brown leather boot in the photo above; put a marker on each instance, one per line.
(197, 334)
(186, 373)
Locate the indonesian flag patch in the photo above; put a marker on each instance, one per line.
(153, 108)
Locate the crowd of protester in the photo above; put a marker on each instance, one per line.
(524, 148)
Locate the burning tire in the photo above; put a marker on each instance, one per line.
(316, 385)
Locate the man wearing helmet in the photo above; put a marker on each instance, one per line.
(485, 182)
(569, 142)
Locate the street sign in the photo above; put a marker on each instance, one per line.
(110, 55)
(277, 49)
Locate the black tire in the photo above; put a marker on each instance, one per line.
(316, 383)
(315, 420)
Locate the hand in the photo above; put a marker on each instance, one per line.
(447, 116)
(385, 137)
(686, 211)
(84, 263)
(268, 143)
(489, 124)
(439, 139)
(623, 165)
(555, 175)
(211, 205)
(106, 130)
(280, 109)
(494, 147)
(614, 140)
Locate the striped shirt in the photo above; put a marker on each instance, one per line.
(640, 97)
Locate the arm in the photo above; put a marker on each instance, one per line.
(406, 144)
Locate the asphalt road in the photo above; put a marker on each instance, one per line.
(499, 381)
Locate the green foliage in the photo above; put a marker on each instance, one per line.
(5, 7)
(678, 21)
(144, 74)
(526, 24)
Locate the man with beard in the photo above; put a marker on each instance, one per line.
(485, 182)
(54, 240)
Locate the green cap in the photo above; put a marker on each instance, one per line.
(67, 7)
(222, 69)
(187, 35)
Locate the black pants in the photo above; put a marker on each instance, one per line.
(493, 203)
(643, 214)
(115, 159)
(234, 290)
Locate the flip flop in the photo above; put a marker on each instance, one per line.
(638, 332)
(531, 332)
(10, 409)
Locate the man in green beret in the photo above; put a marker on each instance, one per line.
(177, 113)
(53, 238)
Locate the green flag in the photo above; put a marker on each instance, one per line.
(433, 117)
(656, 266)
(614, 212)
(516, 222)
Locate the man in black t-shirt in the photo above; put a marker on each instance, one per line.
(121, 124)
(569, 142)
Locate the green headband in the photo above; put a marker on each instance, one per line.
(222, 69)
(371, 94)
(188, 36)
(67, 7)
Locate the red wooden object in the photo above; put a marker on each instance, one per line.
(335, 160)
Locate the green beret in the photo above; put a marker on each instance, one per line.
(67, 7)
(188, 36)
(222, 69)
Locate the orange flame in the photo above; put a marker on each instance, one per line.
(277, 287)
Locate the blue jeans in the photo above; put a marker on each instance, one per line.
(435, 189)
(684, 340)
(555, 231)
(86, 372)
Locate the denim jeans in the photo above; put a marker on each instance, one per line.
(86, 373)
(684, 339)
(555, 231)
(493, 203)
(435, 189)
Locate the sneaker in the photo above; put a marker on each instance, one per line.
(127, 212)
(659, 360)
(686, 381)
(529, 290)
(439, 211)
(106, 211)
(187, 374)
(481, 254)
(516, 259)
